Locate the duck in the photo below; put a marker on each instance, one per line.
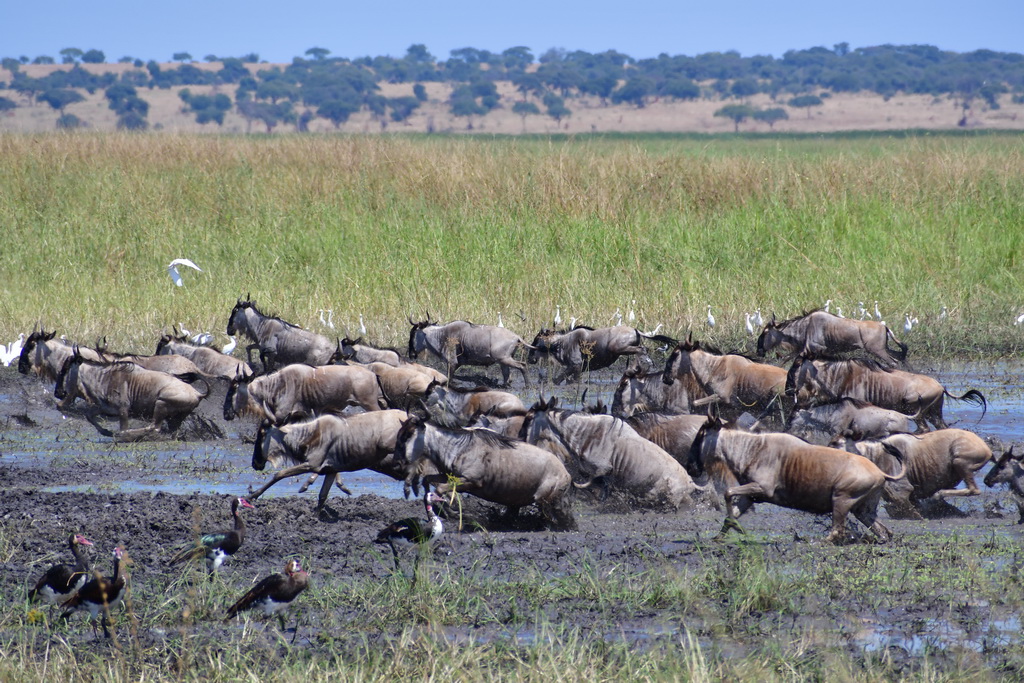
(413, 530)
(61, 581)
(274, 594)
(99, 595)
(219, 546)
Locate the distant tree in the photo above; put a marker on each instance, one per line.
(318, 53)
(737, 112)
(806, 102)
(118, 93)
(126, 60)
(680, 89)
(11, 64)
(211, 58)
(527, 83)
(70, 122)
(599, 84)
(7, 104)
(59, 98)
(419, 54)
(419, 92)
(524, 109)
(744, 87)
(132, 120)
(233, 70)
(841, 49)
(552, 54)
(251, 58)
(402, 107)
(277, 89)
(338, 111)
(634, 91)
(771, 116)
(94, 56)
(181, 57)
(43, 59)
(517, 58)
(270, 115)
(70, 55)
(556, 108)
(23, 59)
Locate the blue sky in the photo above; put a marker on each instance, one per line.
(278, 30)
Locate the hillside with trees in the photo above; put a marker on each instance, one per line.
(516, 91)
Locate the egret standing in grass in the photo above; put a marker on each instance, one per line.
(172, 269)
(711, 318)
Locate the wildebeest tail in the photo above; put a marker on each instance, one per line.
(900, 355)
(664, 339)
(973, 396)
(898, 454)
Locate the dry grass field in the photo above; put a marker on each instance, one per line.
(841, 112)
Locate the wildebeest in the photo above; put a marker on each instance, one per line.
(672, 433)
(490, 466)
(820, 333)
(171, 363)
(639, 392)
(126, 390)
(729, 379)
(462, 405)
(607, 448)
(401, 386)
(328, 445)
(209, 361)
(357, 351)
(786, 471)
(45, 356)
(850, 417)
(816, 381)
(280, 343)
(936, 463)
(1008, 470)
(461, 343)
(299, 391)
(585, 348)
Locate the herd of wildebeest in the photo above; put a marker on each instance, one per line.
(834, 429)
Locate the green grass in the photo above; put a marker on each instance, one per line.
(394, 227)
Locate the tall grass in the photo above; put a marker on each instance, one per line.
(392, 227)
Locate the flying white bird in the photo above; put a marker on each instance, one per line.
(172, 269)
(229, 347)
(711, 318)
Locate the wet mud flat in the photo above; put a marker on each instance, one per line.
(945, 593)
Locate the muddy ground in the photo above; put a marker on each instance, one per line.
(58, 475)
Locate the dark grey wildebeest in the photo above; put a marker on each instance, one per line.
(279, 342)
(787, 471)
(462, 405)
(822, 334)
(125, 390)
(1009, 469)
(816, 381)
(328, 445)
(585, 348)
(672, 433)
(490, 466)
(45, 356)
(358, 352)
(850, 417)
(299, 391)
(639, 392)
(607, 448)
(461, 343)
(209, 361)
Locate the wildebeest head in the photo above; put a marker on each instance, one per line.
(236, 400)
(25, 359)
(678, 362)
(237, 313)
(60, 389)
(406, 438)
(800, 379)
(771, 336)
(543, 344)
(1004, 469)
(418, 340)
(345, 351)
(704, 440)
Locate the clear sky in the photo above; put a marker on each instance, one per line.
(280, 30)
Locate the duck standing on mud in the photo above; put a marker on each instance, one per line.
(274, 593)
(61, 581)
(217, 547)
(99, 595)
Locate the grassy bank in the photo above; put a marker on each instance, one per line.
(390, 227)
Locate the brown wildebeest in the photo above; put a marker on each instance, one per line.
(171, 363)
(126, 390)
(728, 379)
(209, 361)
(461, 343)
(462, 405)
(640, 392)
(815, 381)
(784, 470)
(822, 334)
(852, 418)
(490, 466)
(586, 348)
(299, 391)
(605, 447)
(672, 433)
(1008, 470)
(328, 445)
(401, 386)
(279, 342)
(45, 356)
(936, 463)
(358, 352)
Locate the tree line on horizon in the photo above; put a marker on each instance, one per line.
(335, 88)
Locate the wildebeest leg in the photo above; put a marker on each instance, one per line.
(248, 351)
(841, 506)
(309, 482)
(966, 472)
(898, 495)
(748, 490)
(293, 471)
(325, 490)
(867, 512)
(506, 369)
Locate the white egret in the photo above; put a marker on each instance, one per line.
(500, 323)
(943, 314)
(758, 320)
(908, 323)
(631, 317)
(828, 304)
(229, 348)
(878, 314)
(202, 339)
(617, 316)
(572, 323)
(711, 318)
(362, 327)
(654, 331)
(14, 348)
(185, 333)
(749, 324)
(1019, 320)
(558, 316)
(863, 312)
(839, 312)
(172, 269)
